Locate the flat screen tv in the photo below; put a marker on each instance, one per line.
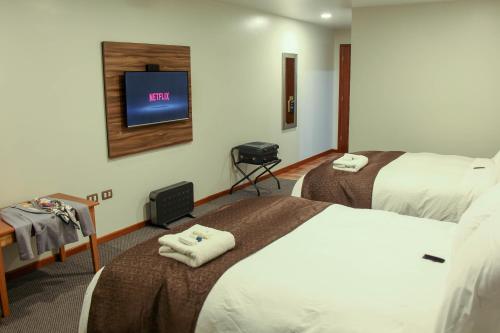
(156, 97)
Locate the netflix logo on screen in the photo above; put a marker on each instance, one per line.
(159, 96)
(156, 97)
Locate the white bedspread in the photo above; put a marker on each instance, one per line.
(434, 186)
(345, 270)
(429, 185)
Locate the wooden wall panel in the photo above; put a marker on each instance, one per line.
(122, 57)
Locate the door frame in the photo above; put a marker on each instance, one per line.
(344, 97)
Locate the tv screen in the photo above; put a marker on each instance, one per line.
(156, 97)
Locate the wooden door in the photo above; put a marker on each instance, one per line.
(344, 97)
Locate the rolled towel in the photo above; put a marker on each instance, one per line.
(350, 163)
(196, 245)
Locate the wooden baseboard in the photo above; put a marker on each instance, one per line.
(276, 173)
(18, 272)
(122, 232)
(307, 160)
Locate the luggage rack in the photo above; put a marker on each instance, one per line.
(267, 166)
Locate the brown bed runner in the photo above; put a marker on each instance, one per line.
(140, 291)
(347, 188)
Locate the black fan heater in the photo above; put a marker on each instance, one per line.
(171, 203)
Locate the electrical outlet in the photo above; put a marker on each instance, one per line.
(108, 194)
(93, 197)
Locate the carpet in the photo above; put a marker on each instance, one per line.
(50, 299)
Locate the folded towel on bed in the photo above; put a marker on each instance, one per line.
(350, 162)
(196, 245)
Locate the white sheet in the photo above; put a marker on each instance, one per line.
(429, 185)
(345, 270)
(496, 160)
(473, 287)
(434, 186)
(297, 188)
(84, 316)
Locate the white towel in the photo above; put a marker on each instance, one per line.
(350, 163)
(186, 248)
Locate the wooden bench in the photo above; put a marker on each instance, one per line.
(8, 236)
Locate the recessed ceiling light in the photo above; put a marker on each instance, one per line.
(326, 15)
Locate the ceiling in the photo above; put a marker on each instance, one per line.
(311, 10)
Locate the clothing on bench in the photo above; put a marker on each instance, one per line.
(49, 230)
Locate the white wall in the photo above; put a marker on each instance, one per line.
(341, 37)
(52, 123)
(426, 78)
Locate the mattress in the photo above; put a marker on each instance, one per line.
(344, 270)
(439, 187)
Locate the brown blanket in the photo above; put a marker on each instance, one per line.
(346, 188)
(140, 291)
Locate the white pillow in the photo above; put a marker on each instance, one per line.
(486, 205)
(472, 297)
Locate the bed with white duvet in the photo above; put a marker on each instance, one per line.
(358, 271)
(434, 186)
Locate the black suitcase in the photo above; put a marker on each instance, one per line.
(258, 152)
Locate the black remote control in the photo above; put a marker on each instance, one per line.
(433, 258)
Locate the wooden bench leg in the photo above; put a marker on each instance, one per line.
(62, 254)
(95, 252)
(4, 297)
(94, 249)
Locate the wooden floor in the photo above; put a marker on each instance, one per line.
(296, 173)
